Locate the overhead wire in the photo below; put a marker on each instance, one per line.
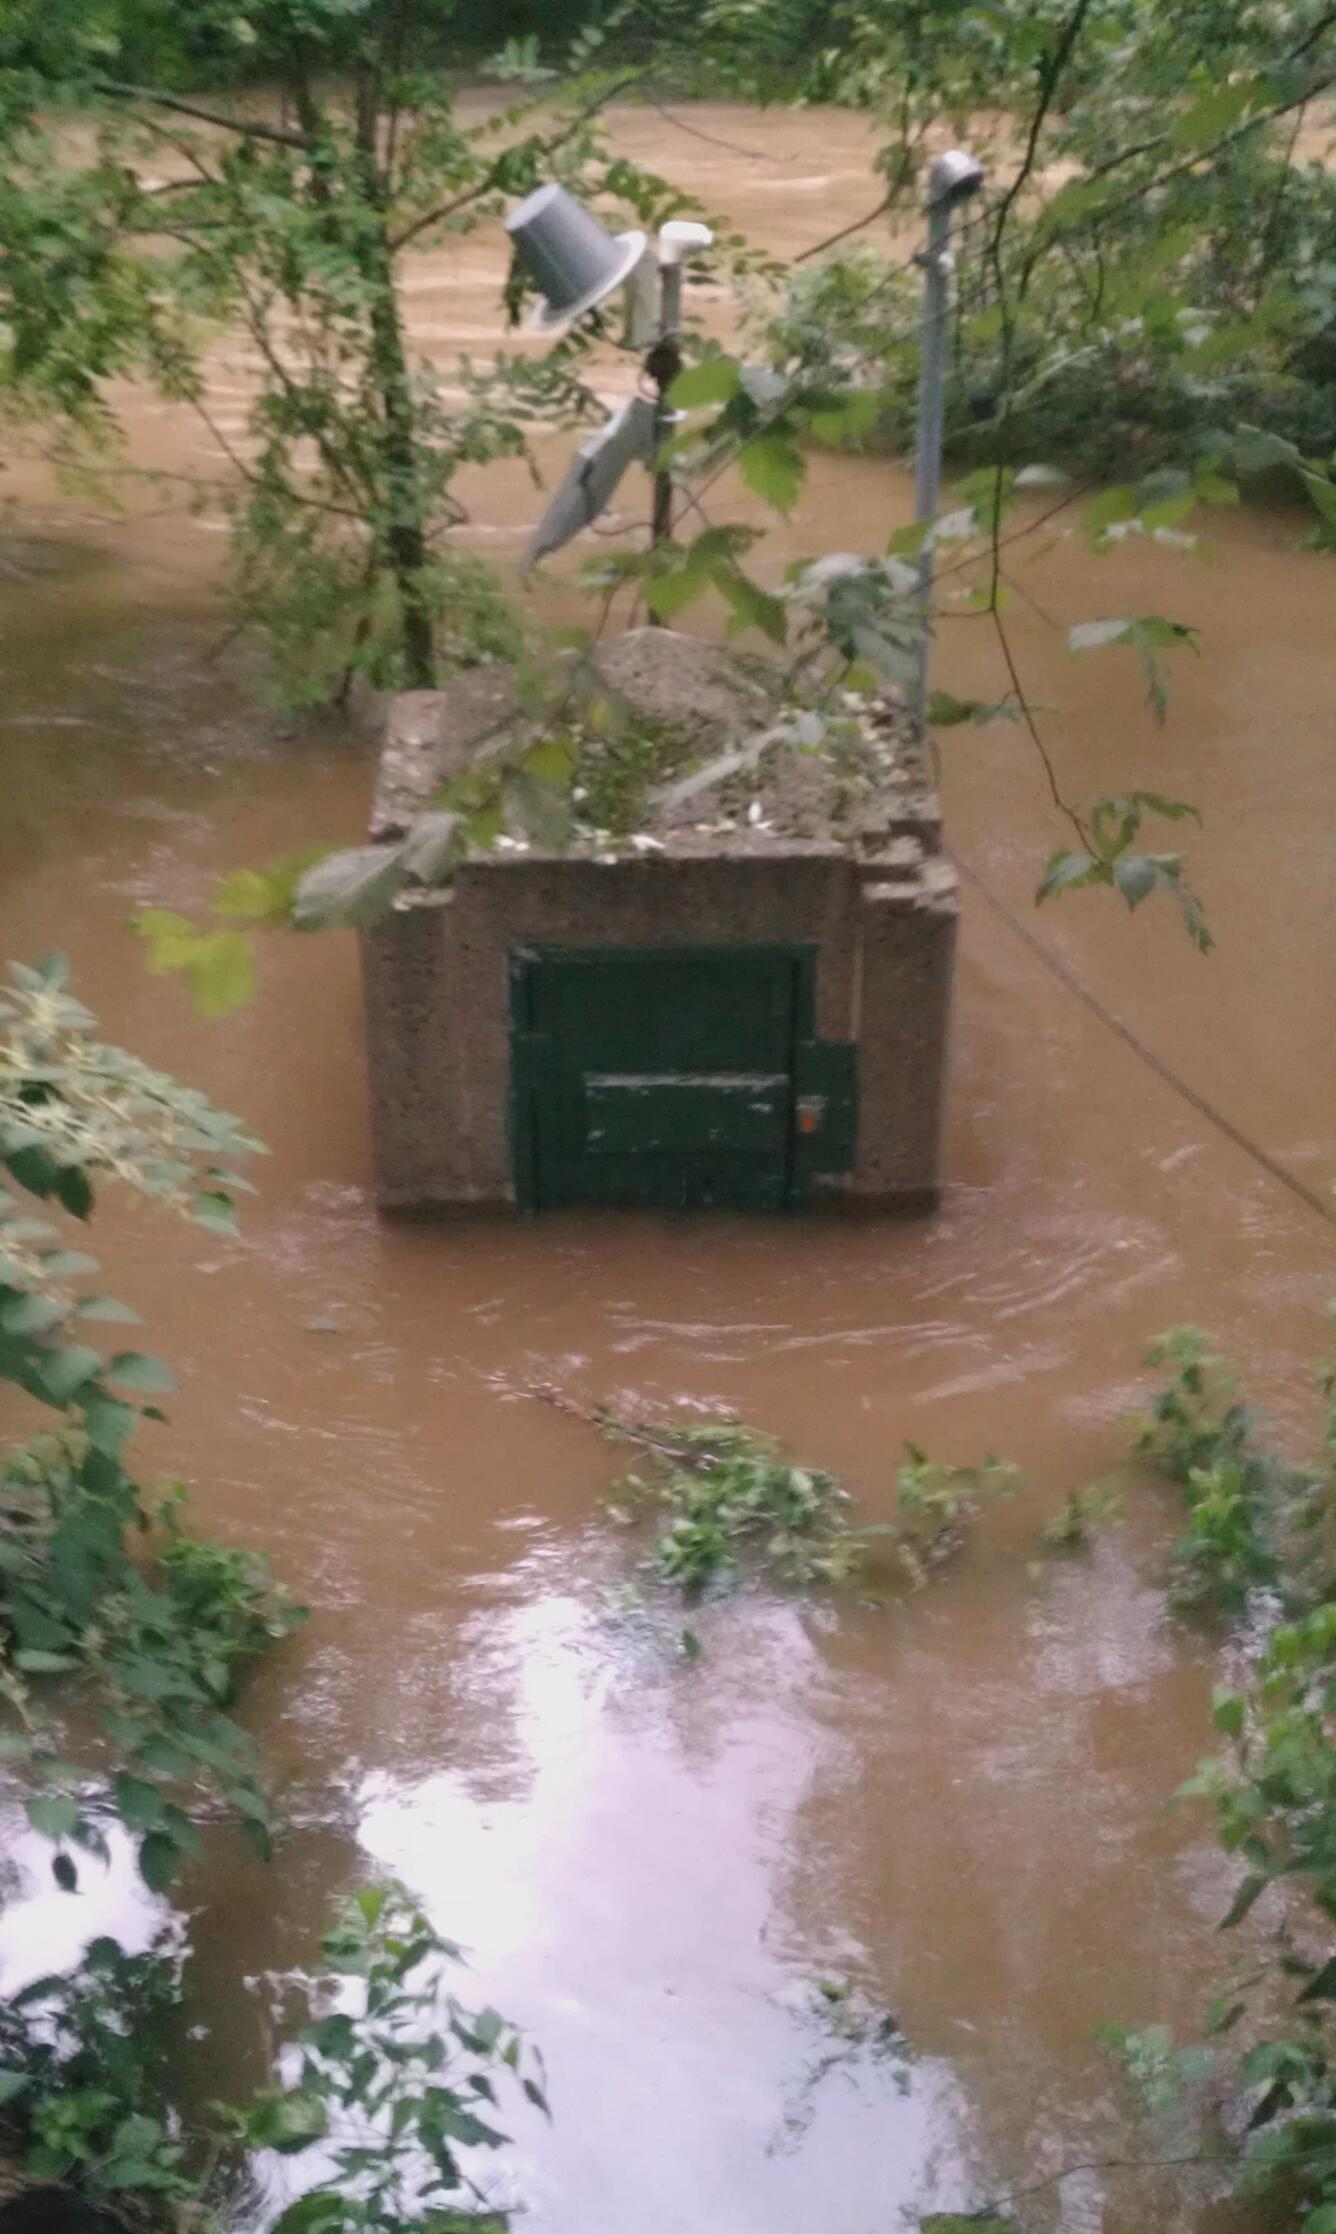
(1201, 1103)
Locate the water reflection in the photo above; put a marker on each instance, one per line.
(44, 1930)
(621, 1902)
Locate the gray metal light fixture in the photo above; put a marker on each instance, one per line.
(572, 259)
(952, 179)
(576, 263)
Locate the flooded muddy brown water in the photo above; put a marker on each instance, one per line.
(959, 1805)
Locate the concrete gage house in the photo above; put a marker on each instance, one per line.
(746, 1010)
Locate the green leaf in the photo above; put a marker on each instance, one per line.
(1214, 487)
(132, 1369)
(159, 1860)
(222, 973)
(65, 1370)
(214, 1209)
(713, 380)
(139, 1805)
(1322, 492)
(1322, 1985)
(908, 541)
(265, 896)
(541, 810)
(67, 1264)
(772, 468)
(1320, 2221)
(54, 1814)
(74, 1191)
(108, 1423)
(669, 593)
(1152, 629)
(333, 2036)
(1135, 877)
(171, 939)
(106, 1307)
(12, 2083)
(244, 894)
(1256, 450)
(1064, 870)
(287, 2122)
(944, 711)
(32, 1314)
(34, 1662)
(752, 606)
(433, 845)
(1167, 511)
(485, 825)
(553, 759)
(349, 890)
(987, 493)
(849, 420)
(312, 2214)
(1092, 636)
(1173, 810)
(65, 1873)
(1111, 508)
(1249, 1891)
(1212, 114)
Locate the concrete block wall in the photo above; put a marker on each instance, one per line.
(437, 986)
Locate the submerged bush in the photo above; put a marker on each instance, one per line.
(726, 1500)
(730, 1503)
(1254, 1522)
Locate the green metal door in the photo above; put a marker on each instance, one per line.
(677, 1077)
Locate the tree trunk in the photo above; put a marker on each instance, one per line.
(405, 525)
(403, 529)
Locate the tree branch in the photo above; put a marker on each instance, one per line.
(1050, 77)
(887, 203)
(713, 139)
(1027, 716)
(250, 129)
(486, 184)
(859, 225)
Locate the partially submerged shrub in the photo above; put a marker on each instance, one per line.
(730, 1502)
(1253, 1520)
(726, 1500)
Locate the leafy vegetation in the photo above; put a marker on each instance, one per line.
(935, 1504)
(1255, 1522)
(83, 2094)
(1176, 276)
(395, 2077)
(289, 224)
(395, 2087)
(730, 1503)
(1147, 296)
(725, 1498)
(155, 1637)
(1269, 2058)
(1079, 1519)
(157, 1642)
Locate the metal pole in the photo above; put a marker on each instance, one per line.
(954, 177)
(937, 264)
(663, 365)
